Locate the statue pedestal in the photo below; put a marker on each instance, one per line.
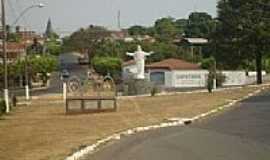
(137, 87)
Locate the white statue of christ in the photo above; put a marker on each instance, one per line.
(139, 57)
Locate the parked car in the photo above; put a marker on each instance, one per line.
(65, 74)
(83, 61)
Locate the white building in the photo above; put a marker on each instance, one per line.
(176, 73)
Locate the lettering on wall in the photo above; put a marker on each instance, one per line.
(188, 76)
(190, 79)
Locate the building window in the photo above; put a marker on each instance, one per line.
(158, 78)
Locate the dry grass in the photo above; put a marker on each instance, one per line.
(43, 131)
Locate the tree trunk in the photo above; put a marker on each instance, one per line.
(259, 67)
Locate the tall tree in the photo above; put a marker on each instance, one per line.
(165, 29)
(245, 30)
(137, 30)
(36, 48)
(181, 25)
(200, 24)
(86, 40)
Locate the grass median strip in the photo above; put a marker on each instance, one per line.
(42, 131)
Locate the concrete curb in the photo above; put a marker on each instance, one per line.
(172, 122)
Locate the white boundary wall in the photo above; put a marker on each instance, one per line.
(234, 78)
(198, 78)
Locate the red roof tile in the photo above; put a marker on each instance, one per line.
(173, 64)
(14, 47)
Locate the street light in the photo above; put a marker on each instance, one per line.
(4, 46)
(40, 5)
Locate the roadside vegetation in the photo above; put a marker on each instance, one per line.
(2, 107)
(238, 38)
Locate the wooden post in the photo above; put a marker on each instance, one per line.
(67, 103)
(99, 104)
(82, 105)
(115, 104)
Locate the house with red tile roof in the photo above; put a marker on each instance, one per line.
(176, 73)
(171, 73)
(14, 51)
(27, 37)
(174, 64)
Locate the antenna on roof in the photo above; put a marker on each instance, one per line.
(119, 19)
(194, 6)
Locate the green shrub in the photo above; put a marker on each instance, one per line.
(105, 65)
(208, 63)
(54, 48)
(267, 65)
(210, 84)
(220, 79)
(43, 64)
(2, 107)
(154, 91)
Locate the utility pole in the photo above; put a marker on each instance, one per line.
(4, 48)
(27, 95)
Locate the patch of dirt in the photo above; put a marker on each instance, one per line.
(42, 131)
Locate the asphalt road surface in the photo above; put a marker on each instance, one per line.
(241, 133)
(68, 62)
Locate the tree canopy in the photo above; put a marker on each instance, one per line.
(138, 30)
(243, 32)
(86, 40)
(165, 29)
(200, 24)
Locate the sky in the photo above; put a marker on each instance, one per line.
(70, 15)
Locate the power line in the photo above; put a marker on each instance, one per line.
(26, 22)
(13, 10)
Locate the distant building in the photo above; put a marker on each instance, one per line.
(177, 73)
(15, 51)
(49, 30)
(124, 36)
(170, 73)
(27, 37)
(194, 45)
(119, 35)
(192, 41)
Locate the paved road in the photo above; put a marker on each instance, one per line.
(242, 133)
(69, 62)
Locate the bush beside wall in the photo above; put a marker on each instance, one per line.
(2, 107)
